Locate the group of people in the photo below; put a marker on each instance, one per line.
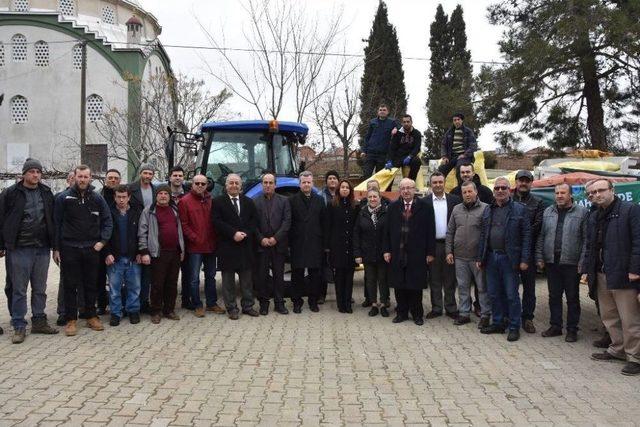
(140, 237)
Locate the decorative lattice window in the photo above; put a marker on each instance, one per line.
(94, 108)
(1, 54)
(42, 54)
(67, 7)
(108, 15)
(21, 5)
(19, 48)
(19, 110)
(77, 57)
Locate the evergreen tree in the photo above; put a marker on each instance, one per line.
(450, 78)
(571, 72)
(383, 78)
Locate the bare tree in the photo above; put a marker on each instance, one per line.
(182, 103)
(288, 53)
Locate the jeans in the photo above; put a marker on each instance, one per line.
(502, 281)
(564, 279)
(528, 278)
(28, 265)
(455, 163)
(466, 273)
(229, 289)
(80, 274)
(195, 263)
(375, 279)
(8, 287)
(126, 271)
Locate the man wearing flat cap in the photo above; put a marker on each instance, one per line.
(26, 238)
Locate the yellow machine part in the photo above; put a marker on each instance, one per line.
(590, 165)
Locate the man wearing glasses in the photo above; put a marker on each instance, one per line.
(505, 248)
(612, 263)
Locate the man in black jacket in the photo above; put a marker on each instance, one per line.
(458, 145)
(83, 227)
(443, 274)
(405, 147)
(26, 237)
(122, 258)
(613, 268)
(467, 173)
(111, 182)
(535, 208)
(235, 218)
(308, 225)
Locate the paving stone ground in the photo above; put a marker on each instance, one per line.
(311, 369)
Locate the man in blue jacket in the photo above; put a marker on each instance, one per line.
(505, 246)
(458, 146)
(376, 141)
(612, 264)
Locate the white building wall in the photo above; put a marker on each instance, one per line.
(53, 93)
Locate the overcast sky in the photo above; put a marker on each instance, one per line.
(412, 18)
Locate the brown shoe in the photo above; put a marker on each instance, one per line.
(216, 309)
(71, 328)
(155, 318)
(529, 327)
(199, 312)
(95, 324)
(174, 316)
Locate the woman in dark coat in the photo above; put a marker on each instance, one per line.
(341, 219)
(368, 237)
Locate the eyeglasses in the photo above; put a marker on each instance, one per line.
(501, 188)
(200, 183)
(597, 191)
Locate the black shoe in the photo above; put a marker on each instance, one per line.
(101, 311)
(349, 310)
(321, 301)
(453, 315)
(419, 321)
(281, 309)
(484, 322)
(251, 312)
(187, 305)
(399, 319)
(514, 335)
(631, 368)
(264, 308)
(603, 342)
(341, 310)
(314, 308)
(492, 329)
(61, 320)
(572, 336)
(114, 321)
(606, 356)
(297, 309)
(553, 331)
(134, 318)
(432, 315)
(233, 314)
(374, 311)
(461, 320)
(366, 303)
(384, 312)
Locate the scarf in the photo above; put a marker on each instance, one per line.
(374, 214)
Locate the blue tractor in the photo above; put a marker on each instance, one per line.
(248, 148)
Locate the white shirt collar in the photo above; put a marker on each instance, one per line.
(444, 197)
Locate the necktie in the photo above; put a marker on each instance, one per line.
(235, 205)
(407, 206)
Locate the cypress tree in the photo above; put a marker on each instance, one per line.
(383, 77)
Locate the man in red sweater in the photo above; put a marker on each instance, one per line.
(200, 240)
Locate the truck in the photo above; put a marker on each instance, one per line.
(248, 148)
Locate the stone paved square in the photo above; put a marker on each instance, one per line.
(327, 369)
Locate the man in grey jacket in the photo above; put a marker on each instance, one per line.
(462, 248)
(560, 248)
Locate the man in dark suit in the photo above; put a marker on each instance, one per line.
(274, 221)
(409, 248)
(306, 239)
(235, 218)
(143, 195)
(443, 275)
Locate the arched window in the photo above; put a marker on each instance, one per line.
(42, 54)
(1, 54)
(19, 48)
(20, 5)
(108, 15)
(67, 7)
(77, 57)
(94, 108)
(19, 110)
